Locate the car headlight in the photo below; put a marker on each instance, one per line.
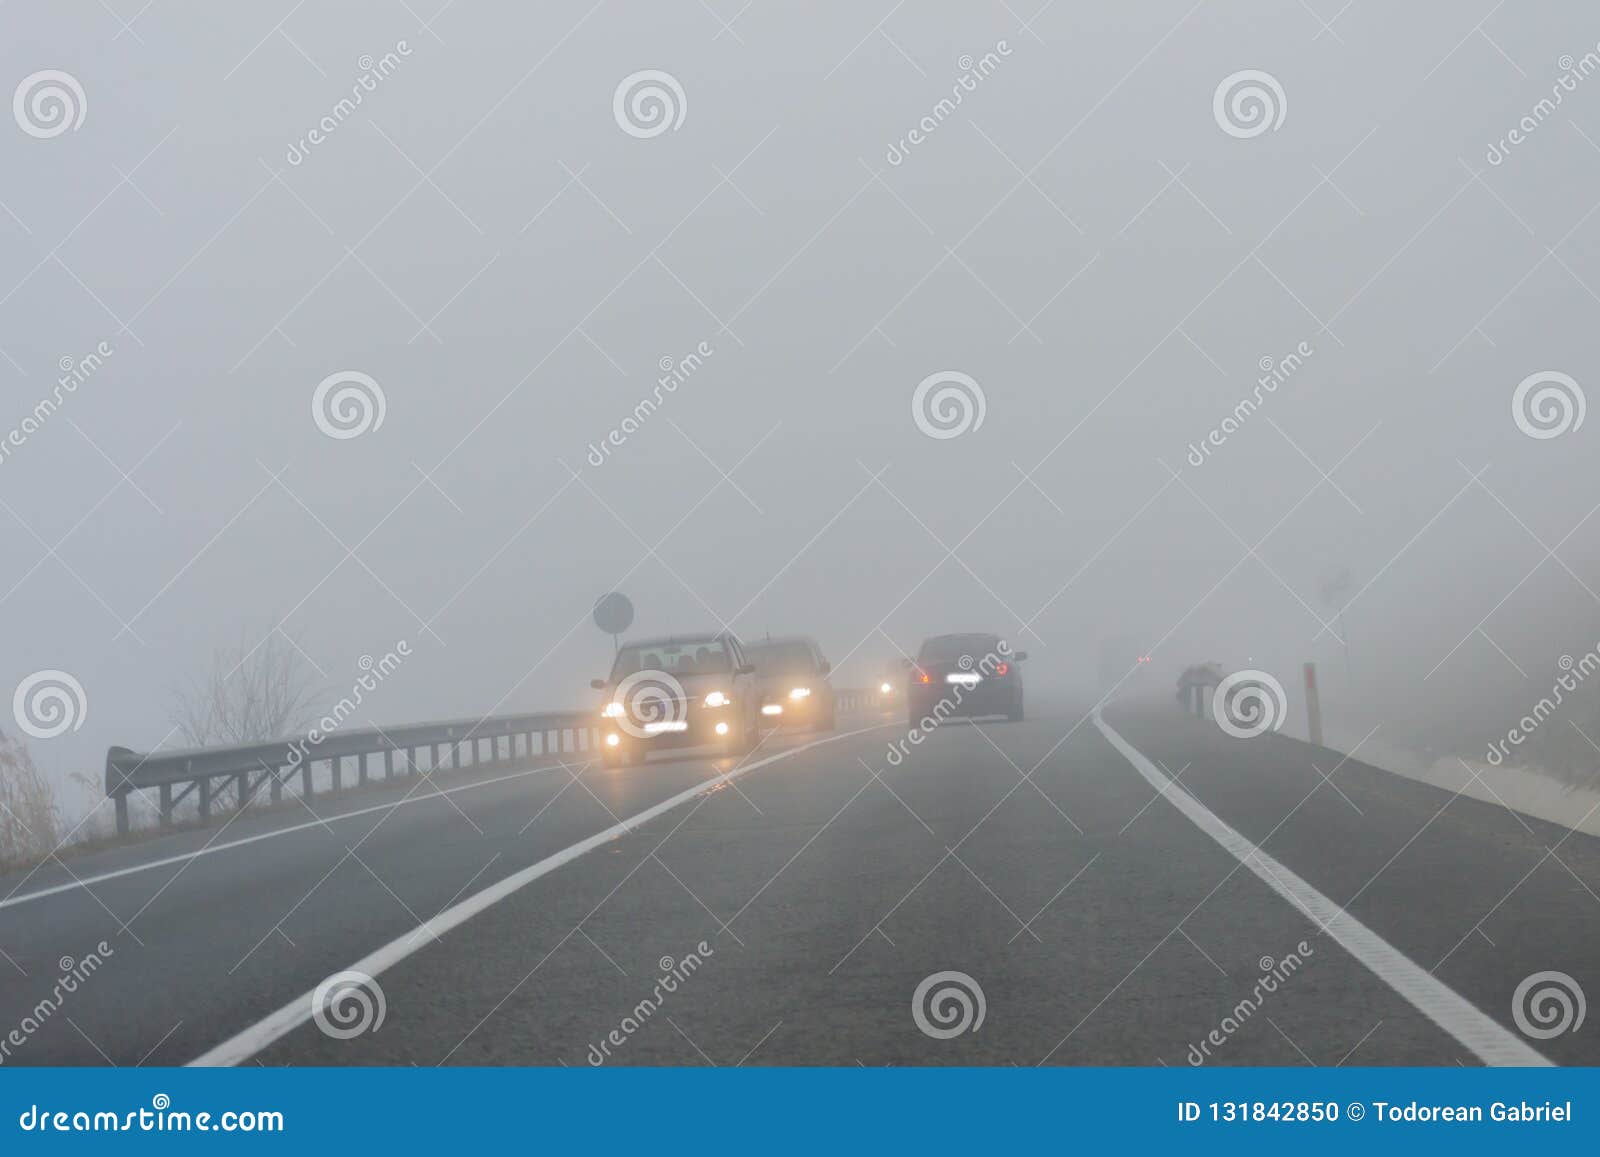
(885, 688)
(613, 710)
(717, 699)
(800, 693)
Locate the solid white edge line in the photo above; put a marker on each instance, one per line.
(243, 1045)
(213, 849)
(1485, 1037)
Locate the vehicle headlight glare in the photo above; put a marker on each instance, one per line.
(717, 699)
(800, 693)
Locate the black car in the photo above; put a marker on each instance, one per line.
(792, 675)
(678, 691)
(968, 675)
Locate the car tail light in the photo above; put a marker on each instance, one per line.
(1002, 669)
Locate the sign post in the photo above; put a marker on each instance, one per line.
(613, 614)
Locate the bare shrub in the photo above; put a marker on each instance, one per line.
(30, 825)
(252, 694)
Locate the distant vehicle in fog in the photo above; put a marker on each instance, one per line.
(968, 675)
(678, 691)
(891, 687)
(792, 677)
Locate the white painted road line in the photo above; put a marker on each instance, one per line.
(1487, 1039)
(244, 1045)
(213, 849)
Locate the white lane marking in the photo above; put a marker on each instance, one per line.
(212, 849)
(246, 1044)
(1487, 1039)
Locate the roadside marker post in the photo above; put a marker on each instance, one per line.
(1313, 706)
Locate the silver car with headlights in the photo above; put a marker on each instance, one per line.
(678, 691)
(792, 676)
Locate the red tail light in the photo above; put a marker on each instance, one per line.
(923, 677)
(1002, 669)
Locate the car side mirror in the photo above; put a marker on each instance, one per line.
(746, 669)
(598, 684)
(826, 666)
(1020, 655)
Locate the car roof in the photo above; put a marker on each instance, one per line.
(674, 640)
(775, 640)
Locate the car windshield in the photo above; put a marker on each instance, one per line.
(948, 648)
(689, 657)
(791, 656)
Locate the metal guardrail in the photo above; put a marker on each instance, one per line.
(855, 700)
(202, 771)
(271, 765)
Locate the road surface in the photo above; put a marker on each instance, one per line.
(1094, 904)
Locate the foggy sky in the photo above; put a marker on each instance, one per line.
(556, 260)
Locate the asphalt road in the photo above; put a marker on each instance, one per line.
(1101, 922)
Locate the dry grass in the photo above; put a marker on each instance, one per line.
(30, 824)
